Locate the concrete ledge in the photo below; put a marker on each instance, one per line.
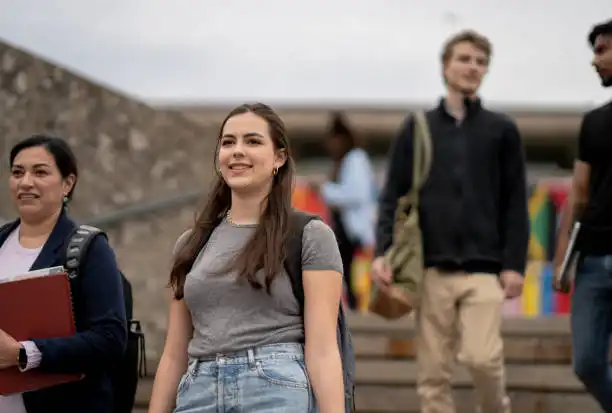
(378, 399)
(534, 123)
(384, 397)
(538, 355)
(517, 350)
(517, 327)
(540, 378)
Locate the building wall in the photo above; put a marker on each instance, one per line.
(128, 152)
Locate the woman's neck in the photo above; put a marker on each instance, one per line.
(33, 234)
(246, 210)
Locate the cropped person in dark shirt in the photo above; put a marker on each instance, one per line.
(590, 202)
(474, 221)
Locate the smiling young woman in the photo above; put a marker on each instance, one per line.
(234, 320)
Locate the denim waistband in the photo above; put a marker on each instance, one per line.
(293, 351)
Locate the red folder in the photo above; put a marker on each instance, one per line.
(36, 307)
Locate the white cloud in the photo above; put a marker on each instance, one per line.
(277, 50)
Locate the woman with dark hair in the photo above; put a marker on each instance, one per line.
(235, 334)
(350, 193)
(42, 180)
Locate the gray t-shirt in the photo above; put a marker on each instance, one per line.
(228, 314)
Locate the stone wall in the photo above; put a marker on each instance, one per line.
(143, 246)
(129, 153)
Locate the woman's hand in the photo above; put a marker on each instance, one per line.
(9, 350)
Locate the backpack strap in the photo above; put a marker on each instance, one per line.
(293, 266)
(5, 227)
(76, 251)
(421, 162)
(79, 241)
(293, 262)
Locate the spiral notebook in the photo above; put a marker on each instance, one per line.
(36, 305)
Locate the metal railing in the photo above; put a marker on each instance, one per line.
(134, 211)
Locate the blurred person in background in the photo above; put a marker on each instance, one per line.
(43, 176)
(235, 323)
(475, 231)
(590, 203)
(350, 194)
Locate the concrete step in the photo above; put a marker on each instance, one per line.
(395, 392)
(538, 368)
(541, 378)
(553, 326)
(517, 350)
(390, 399)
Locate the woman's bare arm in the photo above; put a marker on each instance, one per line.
(322, 290)
(173, 362)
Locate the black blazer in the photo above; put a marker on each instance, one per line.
(101, 326)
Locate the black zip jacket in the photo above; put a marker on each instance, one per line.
(473, 207)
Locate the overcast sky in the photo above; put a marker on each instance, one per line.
(347, 51)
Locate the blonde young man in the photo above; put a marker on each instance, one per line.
(475, 226)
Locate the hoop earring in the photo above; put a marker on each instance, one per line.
(274, 171)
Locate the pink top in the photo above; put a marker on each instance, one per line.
(17, 260)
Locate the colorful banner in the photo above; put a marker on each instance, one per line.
(546, 203)
(305, 199)
(360, 278)
(542, 223)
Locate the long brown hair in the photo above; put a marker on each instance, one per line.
(267, 247)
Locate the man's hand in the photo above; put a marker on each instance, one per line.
(512, 283)
(557, 285)
(9, 350)
(555, 280)
(381, 273)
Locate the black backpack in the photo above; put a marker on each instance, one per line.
(293, 266)
(124, 375)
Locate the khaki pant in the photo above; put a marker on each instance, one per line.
(460, 319)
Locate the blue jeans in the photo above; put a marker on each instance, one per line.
(591, 321)
(265, 379)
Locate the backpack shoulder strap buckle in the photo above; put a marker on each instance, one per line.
(78, 242)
